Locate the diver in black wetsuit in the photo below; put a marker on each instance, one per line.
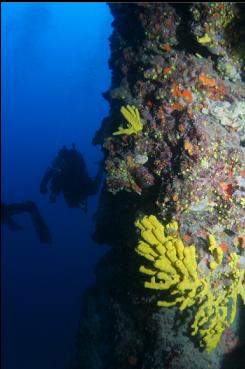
(8, 211)
(68, 175)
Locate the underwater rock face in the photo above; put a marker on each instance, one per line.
(174, 147)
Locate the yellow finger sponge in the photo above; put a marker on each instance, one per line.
(172, 267)
(131, 114)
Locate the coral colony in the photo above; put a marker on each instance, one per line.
(175, 188)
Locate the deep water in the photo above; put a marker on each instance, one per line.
(54, 70)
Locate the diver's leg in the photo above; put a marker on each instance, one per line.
(17, 208)
(41, 228)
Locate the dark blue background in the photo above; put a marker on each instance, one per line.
(54, 69)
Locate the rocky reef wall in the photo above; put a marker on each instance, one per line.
(168, 294)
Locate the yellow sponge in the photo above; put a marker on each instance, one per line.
(131, 114)
(173, 268)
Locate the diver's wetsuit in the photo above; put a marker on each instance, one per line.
(68, 174)
(8, 211)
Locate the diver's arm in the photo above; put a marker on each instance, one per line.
(46, 178)
(55, 187)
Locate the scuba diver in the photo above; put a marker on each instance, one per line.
(68, 175)
(8, 211)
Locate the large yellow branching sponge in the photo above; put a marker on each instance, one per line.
(131, 114)
(172, 267)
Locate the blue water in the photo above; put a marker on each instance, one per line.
(54, 69)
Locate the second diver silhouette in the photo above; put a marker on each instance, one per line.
(8, 211)
(68, 175)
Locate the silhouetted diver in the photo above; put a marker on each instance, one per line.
(8, 211)
(68, 175)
